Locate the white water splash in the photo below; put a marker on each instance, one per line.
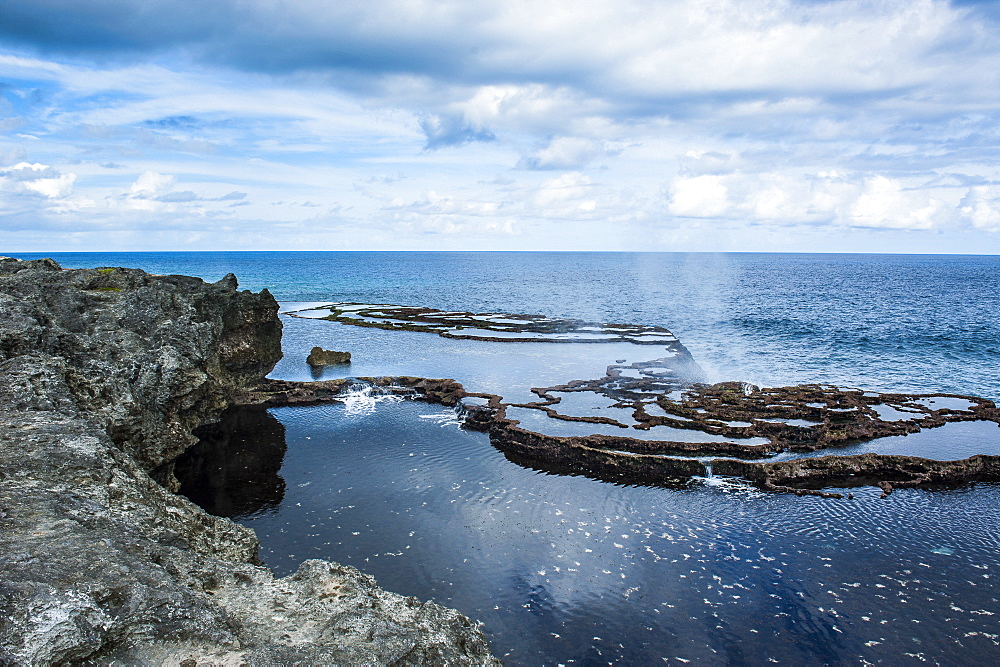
(361, 398)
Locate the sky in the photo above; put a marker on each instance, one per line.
(658, 125)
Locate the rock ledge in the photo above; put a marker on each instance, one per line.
(105, 373)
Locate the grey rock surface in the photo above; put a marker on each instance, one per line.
(320, 357)
(103, 375)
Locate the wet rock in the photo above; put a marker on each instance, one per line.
(886, 472)
(320, 357)
(806, 418)
(708, 408)
(667, 392)
(496, 327)
(106, 373)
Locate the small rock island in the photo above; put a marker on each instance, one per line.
(320, 357)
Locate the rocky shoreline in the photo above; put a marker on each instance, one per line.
(842, 417)
(109, 372)
(655, 422)
(106, 374)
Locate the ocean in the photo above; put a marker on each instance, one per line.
(882, 322)
(572, 570)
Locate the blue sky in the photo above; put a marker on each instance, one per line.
(703, 125)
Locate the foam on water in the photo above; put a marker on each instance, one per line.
(362, 398)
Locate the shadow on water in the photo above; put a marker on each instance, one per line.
(233, 470)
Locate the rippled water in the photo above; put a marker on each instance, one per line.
(951, 442)
(575, 571)
(569, 570)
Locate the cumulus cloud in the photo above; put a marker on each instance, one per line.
(38, 179)
(446, 130)
(884, 202)
(836, 198)
(151, 184)
(703, 196)
(152, 187)
(981, 207)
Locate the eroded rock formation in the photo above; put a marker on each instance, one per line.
(105, 374)
(497, 327)
(320, 357)
(805, 418)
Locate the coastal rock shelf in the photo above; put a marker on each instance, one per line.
(791, 424)
(653, 421)
(106, 374)
(502, 327)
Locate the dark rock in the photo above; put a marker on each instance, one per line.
(147, 358)
(105, 374)
(494, 327)
(320, 357)
(887, 472)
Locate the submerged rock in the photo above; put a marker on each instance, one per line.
(106, 373)
(320, 357)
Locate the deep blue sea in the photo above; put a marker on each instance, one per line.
(880, 322)
(573, 570)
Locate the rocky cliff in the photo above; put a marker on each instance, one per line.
(104, 373)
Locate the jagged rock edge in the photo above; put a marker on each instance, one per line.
(98, 562)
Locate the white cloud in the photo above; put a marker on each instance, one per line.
(826, 198)
(565, 153)
(565, 195)
(981, 206)
(38, 179)
(774, 117)
(53, 188)
(703, 196)
(151, 184)
(883, 202)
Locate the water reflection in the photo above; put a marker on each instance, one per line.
(565, 569)
(233, 470)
